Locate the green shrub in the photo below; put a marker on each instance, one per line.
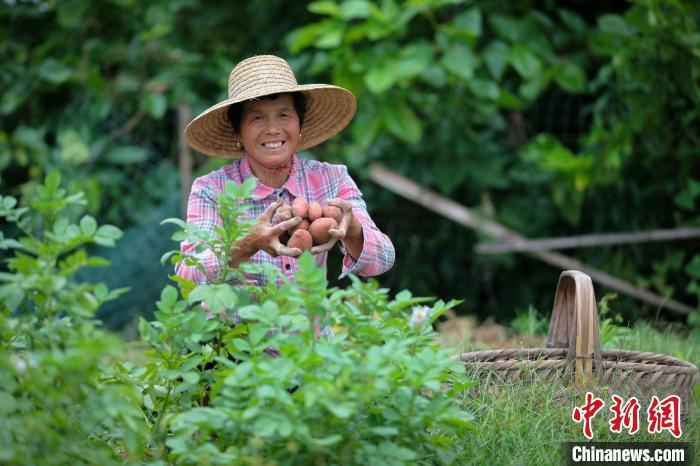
(61, 401)
(380, 391)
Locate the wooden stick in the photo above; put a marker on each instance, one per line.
(464, 216)
(184, 115)
(584, 241)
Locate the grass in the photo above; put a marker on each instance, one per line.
(527, 423)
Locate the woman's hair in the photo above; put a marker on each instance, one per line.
(235, 111)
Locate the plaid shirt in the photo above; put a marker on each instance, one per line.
(316, 181)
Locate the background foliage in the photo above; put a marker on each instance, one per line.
(553, 121)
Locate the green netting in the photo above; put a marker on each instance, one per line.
(136, 264)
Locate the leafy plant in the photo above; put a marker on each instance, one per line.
(63, 402)
(260, 382)
(530, 322)
(612, 334)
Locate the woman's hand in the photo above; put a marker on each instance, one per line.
(266, 237)
(349, 231)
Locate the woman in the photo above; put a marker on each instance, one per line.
(267, 118)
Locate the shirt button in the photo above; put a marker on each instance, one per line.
(288, 266)
(280, 194)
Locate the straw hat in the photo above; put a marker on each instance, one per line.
(329, 109)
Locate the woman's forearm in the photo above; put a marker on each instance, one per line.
(354, 239)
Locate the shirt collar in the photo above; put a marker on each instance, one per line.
(261, 190)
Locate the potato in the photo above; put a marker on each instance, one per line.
(301, 239)
(319, 229)
(300, 207)
(331, 211)
(315, 211)
(303, 225)
(283, 213)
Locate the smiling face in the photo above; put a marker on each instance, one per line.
(270, 130)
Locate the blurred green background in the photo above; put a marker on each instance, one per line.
(551, 120)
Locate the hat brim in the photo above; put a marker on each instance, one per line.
(329, 109)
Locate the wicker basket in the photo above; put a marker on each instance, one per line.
(573, 353)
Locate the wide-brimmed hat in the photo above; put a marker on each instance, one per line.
(329, 109)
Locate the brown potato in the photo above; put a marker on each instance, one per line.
(300, 207)
(315, 211)
(301, 239)
(303, 225)
(331, 211)
(319, 229)
(283, 213)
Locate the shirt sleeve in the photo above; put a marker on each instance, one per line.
(202, 210)
(377, 254)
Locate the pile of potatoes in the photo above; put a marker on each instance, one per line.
(313, 229)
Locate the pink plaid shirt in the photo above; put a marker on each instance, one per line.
(316, 181)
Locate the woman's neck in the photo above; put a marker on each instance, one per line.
(274, 177)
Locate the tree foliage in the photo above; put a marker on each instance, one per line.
(473, 99)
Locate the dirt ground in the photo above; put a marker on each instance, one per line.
(465, 333)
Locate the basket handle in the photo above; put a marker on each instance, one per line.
(574, 323)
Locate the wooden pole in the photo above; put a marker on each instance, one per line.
(448, 208)
(184, 115)
(583, 241)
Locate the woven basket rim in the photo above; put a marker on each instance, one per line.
(610, 358)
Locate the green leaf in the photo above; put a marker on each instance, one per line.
(241, 344)
(328, 441)
(693, 267)
(460, 60)
(570, 77)
(168, 296)
(384, 431)
(216, 297)
(303, 37)
(127, 155)
(176, 221)
(496, 58)
(73, 149)
(469, 21)
(507, 27)
(88, 225)
(330, 39)
(532, 88)
(53, 181)
(572, 21)
(507, 99)
(323, 7)
(30, 138)
(524, 61)
(380, 78)
(483, 88)
(412, 60)
(154, 105)
(352, 9)
(402, 122)
(614, 24)
(191, 377)
(11, 295)
(461, 420)
(264, 427)
(106, 235)
(55, 72)
(257, 332)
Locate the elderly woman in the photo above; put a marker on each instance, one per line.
(267, 118)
